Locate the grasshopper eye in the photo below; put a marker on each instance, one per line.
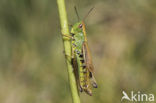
(80, 26)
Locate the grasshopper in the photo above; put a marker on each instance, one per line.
(81, 58)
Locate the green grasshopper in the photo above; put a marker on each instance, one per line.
(81, 58)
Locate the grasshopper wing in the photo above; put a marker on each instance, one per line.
(88, 63)
(87, 57)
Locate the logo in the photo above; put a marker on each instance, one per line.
(138, 96)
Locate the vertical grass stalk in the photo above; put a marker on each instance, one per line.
(67, 49)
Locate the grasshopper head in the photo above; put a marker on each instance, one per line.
(77, 27)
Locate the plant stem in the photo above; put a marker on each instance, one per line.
(67, 48)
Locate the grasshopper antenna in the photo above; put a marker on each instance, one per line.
(88, 13)
(77, 13)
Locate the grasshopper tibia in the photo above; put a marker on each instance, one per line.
(66, 36)
(81, 90)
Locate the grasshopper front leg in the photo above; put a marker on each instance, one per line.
(68, 36)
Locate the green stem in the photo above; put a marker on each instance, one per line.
(67, 48)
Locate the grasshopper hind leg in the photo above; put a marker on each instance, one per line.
(92, 79)
(80, 89)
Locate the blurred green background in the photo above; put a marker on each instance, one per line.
(122, 39)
